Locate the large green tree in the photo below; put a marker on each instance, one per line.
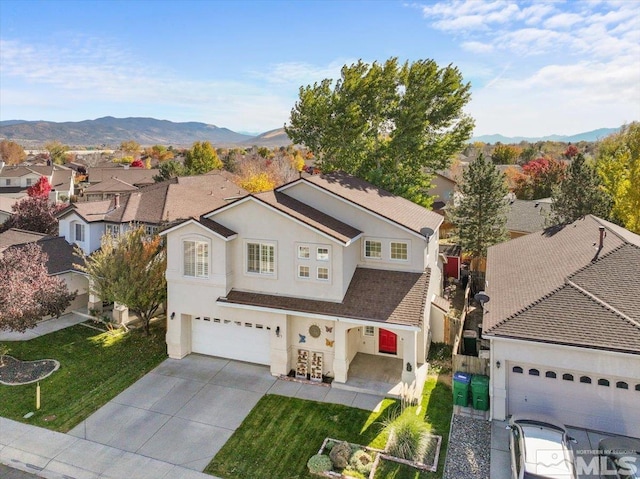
(579, 193)
(202, 158)
(392, 124)
(618, 164)
(130, 269)
(479, 212)
(57, 152)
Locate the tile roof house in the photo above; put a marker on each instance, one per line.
(84, 223)
(563, 321)
(305, 277)
(61, 260)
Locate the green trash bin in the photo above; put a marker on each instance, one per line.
(461, 388)
(480, 392)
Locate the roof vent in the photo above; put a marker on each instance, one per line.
(603, 235)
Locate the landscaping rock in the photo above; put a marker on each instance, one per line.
(469, 452)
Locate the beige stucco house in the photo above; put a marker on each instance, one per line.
(305, 277)
(563, 321)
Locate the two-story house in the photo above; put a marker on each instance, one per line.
(305, 277)
(14, 180)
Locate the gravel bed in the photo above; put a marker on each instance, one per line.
(14, 372)
(469, 451)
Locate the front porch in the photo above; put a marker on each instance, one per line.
(382, 375)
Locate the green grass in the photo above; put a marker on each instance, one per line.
(281, 434)
(94, 368)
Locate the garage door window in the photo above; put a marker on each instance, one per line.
(567, 377)
(585, 379)
(603, 382)
(517, 369)
(550, 375)
(637, 387)
(534, 372)
(622, 385)
(196, 259)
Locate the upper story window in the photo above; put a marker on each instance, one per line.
(373, 249)
(304, 252)
(196, 259)
(150, 230)
(304, 271)
(113, 230)
(261, 258)
(7, 182)
(322, 254)
(399, 251)
(78, 232)
(323, 274)
(29, 181)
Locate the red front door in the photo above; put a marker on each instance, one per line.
(388, 342)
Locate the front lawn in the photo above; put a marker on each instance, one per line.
(280, 434)
(94, 368)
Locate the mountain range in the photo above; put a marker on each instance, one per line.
(110, 132)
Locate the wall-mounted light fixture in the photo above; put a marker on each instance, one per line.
(409, 368)
(278, 331)
(498, 364)
(173, 315)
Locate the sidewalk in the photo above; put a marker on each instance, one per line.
(45, 327)
(55, 455)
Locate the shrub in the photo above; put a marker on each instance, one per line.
(319, 463)
(329, 445)
(340, 455)
(362, 462)
(408, 438)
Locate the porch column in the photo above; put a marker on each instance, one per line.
(409, 356)
(341, 353)
(179, 336)
(95, 302)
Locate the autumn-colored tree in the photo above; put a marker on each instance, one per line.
(505, 154)
(159, 153)
(40, 189)
(57, 152)
(618, 165)
(571, 152)
(125, 160)
(28, 292)
(147, 163)
(11, 152)
(538, 178)
(34, 214)
(137, 164)
(202, 158)
(579, 193)
(130, 147)
(297, 161)
(130, 270)
(257, 183)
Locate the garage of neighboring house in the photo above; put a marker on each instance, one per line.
(241, 340)
(580, 398)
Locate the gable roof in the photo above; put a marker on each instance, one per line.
(61, 255)
(17, 171)
(110, 185)
(318, 220)
(213, 226)
(557, 286)
(394, 208)
(392, 297)
(171, 200)
(527, 216)
(133, 176)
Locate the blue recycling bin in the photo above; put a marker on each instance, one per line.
(461, 383)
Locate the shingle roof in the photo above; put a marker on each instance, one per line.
(61, 255)
(394, 208)
(450, 249)
(310, 216)
(391, 297)
(110, 185)
(61, 179)
(170, 200)
(18, 171)
(133, 176)
(557, 286)
(216, 227)
(527, 216)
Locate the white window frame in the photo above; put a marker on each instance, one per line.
(323, 256)
(318, 273)
(301, 255)
(29, 181)
(78, 237)
(406, 245)
(368, 242)
(112, 230)
(201, 258)
(308, 268)
(263, 269)
(150, 230)
(369, 331)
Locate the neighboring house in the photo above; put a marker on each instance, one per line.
(527, 216)
(85, 223)
(6, 204)
(563, 321)
(134, 176)
(442, 188)
(15, 180)
(106, 189)
(305, 277)
(60, 262)
(452, 260)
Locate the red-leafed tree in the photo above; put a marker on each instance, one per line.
(34, 214)
(571, 152)
(41, 189)
(137, 164)
(538, 178)
(28, 292)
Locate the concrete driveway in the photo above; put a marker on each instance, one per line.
(182, 412)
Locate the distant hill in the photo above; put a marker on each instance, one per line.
(594, 135)
(112, 131)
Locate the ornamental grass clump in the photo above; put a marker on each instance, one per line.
(362, 462)
(409, 438)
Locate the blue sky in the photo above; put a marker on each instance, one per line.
(536, 68)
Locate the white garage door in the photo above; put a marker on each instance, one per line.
(239, 340)
(576, 398)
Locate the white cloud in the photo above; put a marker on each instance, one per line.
(478, 47)
(563, 20)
